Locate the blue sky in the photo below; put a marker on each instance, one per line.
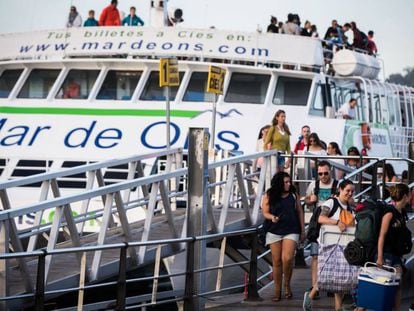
(391, 20)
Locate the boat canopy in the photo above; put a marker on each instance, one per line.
(163, 42)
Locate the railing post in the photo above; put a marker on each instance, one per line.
(410, 165)
(196, 217)
(4, 269)
(374, 180)
(121, 289)
(40, 282)
(252, 288)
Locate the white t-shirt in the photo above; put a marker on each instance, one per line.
(346, 110)
(330, 204)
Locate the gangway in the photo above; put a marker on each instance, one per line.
(63, 251)
(50, 259)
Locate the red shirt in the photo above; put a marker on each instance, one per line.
(300, 145)
(110, 16)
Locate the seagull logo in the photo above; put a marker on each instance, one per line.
(222, 115)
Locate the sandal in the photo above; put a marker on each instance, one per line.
(277, 297)
(288, 293)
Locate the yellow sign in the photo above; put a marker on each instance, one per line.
(169, 72)
(215, 80)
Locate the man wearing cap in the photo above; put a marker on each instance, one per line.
(347, 110)
(273, 25)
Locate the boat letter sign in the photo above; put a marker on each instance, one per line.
(169, 72)
(215, 80)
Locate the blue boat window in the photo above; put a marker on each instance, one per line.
(119, 85)
(78, 84)
(292, 91)
(153, 91)
(247, 88)
(196, 89)
(7, 81)
(39, 83)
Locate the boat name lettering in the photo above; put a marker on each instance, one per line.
(95, 136)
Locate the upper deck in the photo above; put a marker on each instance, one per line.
(162, 42)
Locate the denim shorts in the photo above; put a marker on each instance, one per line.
(314, 248)
(391, 260)
(280, 160)
(273, 238)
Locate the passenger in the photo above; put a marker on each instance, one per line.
(371, 46)
(307, 29)
(110, 15)
(132, 19)
(347, 35)
(390, 175)
(72, 90)
(280, 25)
(332, 29)
(392, 224)
(278, 138)
(358, 42)
(281, 205)
(91, 21)
(353, 163)
(257, 165)
(315, 147)
(334, 150)
(316, 196)
(300, 148)
(314, 32)
(344, 200)
(74, 19)
(291, 27)
(273, 25)
(347, 110)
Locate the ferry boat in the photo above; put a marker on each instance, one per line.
(75, 95)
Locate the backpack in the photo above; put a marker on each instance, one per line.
(403, 243)
(368, 216)
(314, 227)
(364, 39)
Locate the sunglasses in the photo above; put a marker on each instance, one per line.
(323, 173)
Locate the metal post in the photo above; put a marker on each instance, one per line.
(4, 269)
(252, 293)
(196, 217)
(40, 282)
(121, 289)
(167, 116)
(374, 180)
(410, 165)
(213, 123)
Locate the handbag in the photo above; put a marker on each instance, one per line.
(334, 272)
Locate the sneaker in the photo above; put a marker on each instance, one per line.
(307, 302)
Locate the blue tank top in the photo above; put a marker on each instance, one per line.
(288, 222)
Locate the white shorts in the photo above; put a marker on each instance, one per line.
(273, 238)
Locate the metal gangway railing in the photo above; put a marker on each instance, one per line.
(156, 197)
(231, 179)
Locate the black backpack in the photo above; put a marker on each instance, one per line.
(314, 227)
(364, 39)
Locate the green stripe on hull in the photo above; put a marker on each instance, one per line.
(99, 112)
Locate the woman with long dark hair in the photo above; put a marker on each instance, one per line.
(334, 150)
(281, 205)
(278, 137)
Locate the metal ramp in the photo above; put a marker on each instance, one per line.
(49, 258)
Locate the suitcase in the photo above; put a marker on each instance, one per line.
(377, 287)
